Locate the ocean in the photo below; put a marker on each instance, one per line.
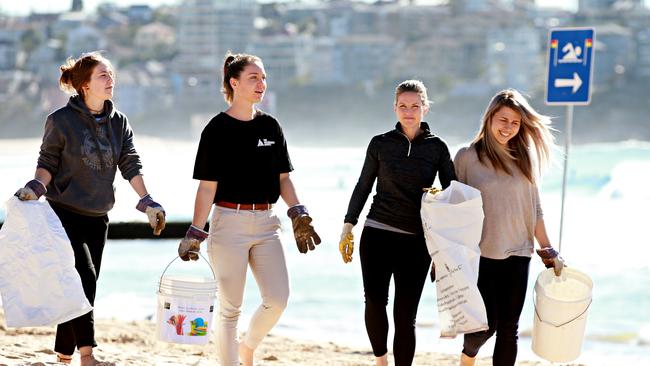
(606, 217)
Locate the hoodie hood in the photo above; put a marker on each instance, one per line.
(77, 103)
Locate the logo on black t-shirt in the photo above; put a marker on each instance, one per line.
(264, 142)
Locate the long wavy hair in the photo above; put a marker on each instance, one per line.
(530, 149)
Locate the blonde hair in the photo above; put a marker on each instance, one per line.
(76, 73)
(415, 86)
(534, 137)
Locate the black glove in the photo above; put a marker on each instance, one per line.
(190, 246)
(33, 190)
(303, 231)
(155, 213)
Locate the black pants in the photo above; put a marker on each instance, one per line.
(502, 283)
(87, 235)
(405, 257)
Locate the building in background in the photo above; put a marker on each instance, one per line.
(614, 55)
(594, 6)
(154, 37)
(206, 30)
(8, 53)
(643, 53)
(84, 39)
(512, 57)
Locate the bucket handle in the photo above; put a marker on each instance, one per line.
(563, 324)
(170, 263)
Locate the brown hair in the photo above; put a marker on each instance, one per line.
(534, 131)
(415, 86)
(233, 65)
(75, 74)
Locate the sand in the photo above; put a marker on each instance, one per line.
(133, 343)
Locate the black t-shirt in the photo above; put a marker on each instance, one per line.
(245, 157)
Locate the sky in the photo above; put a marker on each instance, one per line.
(24, 7)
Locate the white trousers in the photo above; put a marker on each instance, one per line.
(239, 238)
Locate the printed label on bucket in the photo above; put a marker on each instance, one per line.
(184, 320)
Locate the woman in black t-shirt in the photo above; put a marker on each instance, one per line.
(243, 152)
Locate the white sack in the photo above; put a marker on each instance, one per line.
(453, 221)
(38, 281)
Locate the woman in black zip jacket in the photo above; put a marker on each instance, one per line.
(84, 144)
(403, 161)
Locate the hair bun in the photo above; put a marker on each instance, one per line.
(229, 59)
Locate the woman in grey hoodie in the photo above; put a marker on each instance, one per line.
(83, 145)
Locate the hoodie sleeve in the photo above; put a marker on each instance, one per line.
(53, 142)
(129, 161)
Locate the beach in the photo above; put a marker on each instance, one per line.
(607, 203)
(133, 343)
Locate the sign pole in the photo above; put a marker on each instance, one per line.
(567, 139)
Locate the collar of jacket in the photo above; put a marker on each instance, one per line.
(426, 132)
(77, 103)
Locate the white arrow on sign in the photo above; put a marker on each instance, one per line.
(576, 82)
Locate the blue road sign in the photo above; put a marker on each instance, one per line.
(570, 66)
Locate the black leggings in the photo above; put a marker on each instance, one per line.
(87, 235)
(384, 254)
(502, 283)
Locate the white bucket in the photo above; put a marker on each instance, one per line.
(185, 308)
(561, 306)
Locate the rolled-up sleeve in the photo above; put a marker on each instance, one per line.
(129, 161)
(49, 157)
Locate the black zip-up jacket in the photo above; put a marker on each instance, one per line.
(402, 169)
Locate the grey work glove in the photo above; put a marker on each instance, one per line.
(551, 259)
(303, 231)
(190, 246)
(33, 190)
(155, 213)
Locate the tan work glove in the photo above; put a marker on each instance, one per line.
(155, 213)
(190, 246)
(551, 259)
(33, 190)
(432, 190)
(303, 231)
(346, 245)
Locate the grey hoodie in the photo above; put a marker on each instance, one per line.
(83, 154)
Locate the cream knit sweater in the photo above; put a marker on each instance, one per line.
(510, 203)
